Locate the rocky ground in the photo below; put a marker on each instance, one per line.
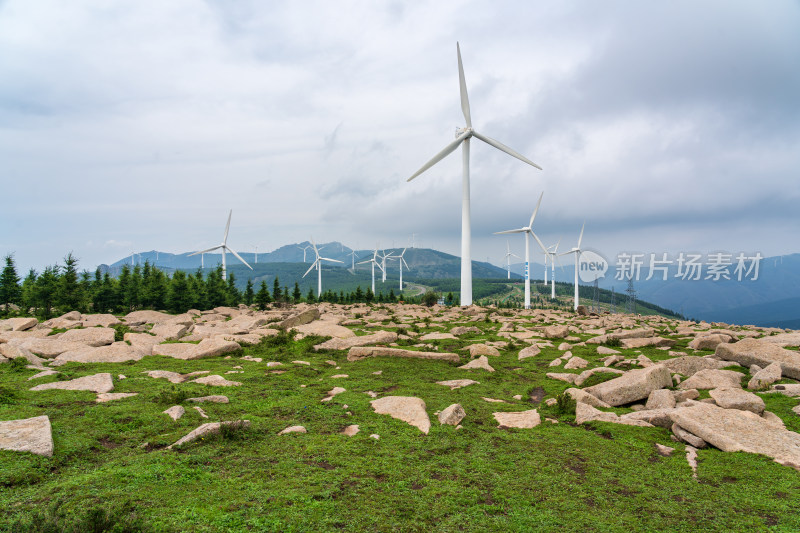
(706, 384)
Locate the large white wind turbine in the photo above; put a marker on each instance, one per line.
(318, 263)
(374, 261)
(224, 248)
(528, 231)
(577, 251)
(508, 257)
(402, 262)
(462, 139)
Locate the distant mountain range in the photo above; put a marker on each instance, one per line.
(772, 300)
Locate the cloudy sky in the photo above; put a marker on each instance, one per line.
(136, 125)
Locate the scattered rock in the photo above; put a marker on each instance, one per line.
(556, 332)
(32, 435)
(452, 415)
(212, 399)
(732, 430)
(298, 319)
(736, 398)
(531, 351)
(660, 399)
(586, 413)
(209, 428)
(690, 365)
(293, 429)
(521, 419)
(481, 362)
(586, 374)
(709, 342)
(406, 408)
(664, 451)
(476, 350)
(576, 362)
(361, 352)
(350, 430)
(765, 377)
(380, 337)
(457, 383)
(189, 351)
(111, 396)
(90, 336)
(712, 379)
(215, 380)
(175, 412)
(757, 352)
(98, 383)
(333, 392)
(633, 385)
(603, 350)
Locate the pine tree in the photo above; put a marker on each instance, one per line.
(263, 298)
(369, 296)
(285, 295)
(216, 289)
(234, 296)
(249, 294)
(29, 291)
(69, 294)
(276, 290)
(46, 291)
(10, 291)
(310, 296)
(359, 295)
(179, 299)
(296, 295)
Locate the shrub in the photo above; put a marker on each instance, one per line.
(7, 396)
(55, 519)
(119, 331)
(173, 396)
(430, 298)
(613, 342)
(565, 404)
(18, 364)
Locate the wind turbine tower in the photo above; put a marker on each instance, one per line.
(508, 257)
(463, 139)
(318, 264)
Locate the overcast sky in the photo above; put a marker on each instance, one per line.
(136, 125)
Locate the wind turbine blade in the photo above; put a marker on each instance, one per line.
(310, 268)
(441, 155)
(404, 262)
(559, 263)
(329, 259)
(580, 237)
(530, 225)
(566, 253)
(520, 230)
(504, 148)
(205, 251)
(239, 257)
(463, 86)
(555, 250)
(227, 227)
(544, 250)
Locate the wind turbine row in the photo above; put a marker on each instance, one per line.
(463, 139)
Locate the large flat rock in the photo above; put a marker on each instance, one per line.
(17, 324)
(48, 347)
(520, 419)
(711, 379)
(136, 318)
(32, 435)
(379, 337)
(96, 383)
(689, 365)
(326, 328)
(406, 408)
(119, 352)
(632, 386)
(189, 351)
(758, 352)
(357, 353)
(732, 430)
(90, 336)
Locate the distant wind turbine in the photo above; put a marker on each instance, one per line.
(318, 263)
(463, 140)
(553, 258)
(374, 262)
(383, 264)
(577, 251)
(527, 231)
(508, 257)
(224, 247)
(353, 256)
(402, 262)
(256, 261)
(304, 248)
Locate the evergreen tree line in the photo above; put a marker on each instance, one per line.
(62, 288)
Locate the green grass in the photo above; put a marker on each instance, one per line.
(111, 467)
